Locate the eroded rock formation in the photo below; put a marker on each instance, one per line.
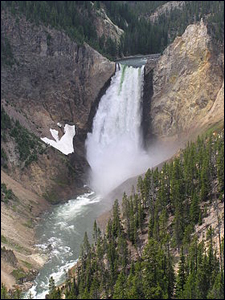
(187, 83)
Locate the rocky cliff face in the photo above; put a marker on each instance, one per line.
(52, 80)
(52, 72)
(165, 9)
(18, 219)
(105, 27)
(187, 84)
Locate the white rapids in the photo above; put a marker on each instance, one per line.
(60, 234)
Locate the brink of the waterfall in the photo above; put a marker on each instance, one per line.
(115, 148)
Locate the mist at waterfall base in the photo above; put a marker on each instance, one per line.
(115, 149)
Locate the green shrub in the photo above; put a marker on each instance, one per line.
(3, 239)
(7, 194)
(27, 144)
(5, 120)
(7, 58)
(18, 274)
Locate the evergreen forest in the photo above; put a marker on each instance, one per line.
(140, 35)
(150, 249)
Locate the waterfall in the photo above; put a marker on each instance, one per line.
(114, 148)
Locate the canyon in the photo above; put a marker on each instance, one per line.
(55, 80)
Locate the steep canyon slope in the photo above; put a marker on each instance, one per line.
(50, 80)
(188, 86)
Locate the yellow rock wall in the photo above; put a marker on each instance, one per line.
(187, 82)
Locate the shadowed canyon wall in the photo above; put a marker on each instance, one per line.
(52, 80)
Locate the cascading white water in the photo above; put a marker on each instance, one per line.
(114, 148)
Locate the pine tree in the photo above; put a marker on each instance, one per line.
(202, 280)
(95, 231)
(123, 251)
(94, 290)
(120, 287)
(86, 244)
(190, 287)
(140, 216)
(204, 180)
(53, 292)
(116, 223)
(153, 266)
(4, 294)
(170, 275)
(217, 291)
(181, 277)
(135, 283)
(194, 209)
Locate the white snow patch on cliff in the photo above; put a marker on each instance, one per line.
(65, 144)
(55, 134)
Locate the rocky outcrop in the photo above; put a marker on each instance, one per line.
(18, 219)
(105, 27)
(216, 113)
(166, 9)
(9, 257)
(187, 84)
(147, 97)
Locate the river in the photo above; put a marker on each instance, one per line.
(60, 234)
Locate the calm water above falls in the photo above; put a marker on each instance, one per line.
(115, 153)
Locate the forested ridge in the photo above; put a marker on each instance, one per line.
(140, 35)
(137, 256)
